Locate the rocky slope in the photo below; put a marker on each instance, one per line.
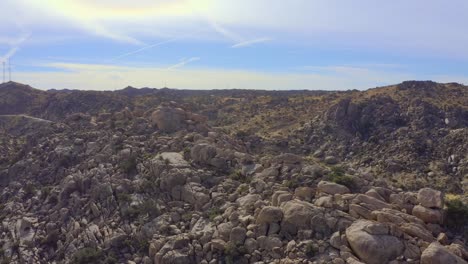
(233, 176)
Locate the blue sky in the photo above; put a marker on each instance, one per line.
(249, 44)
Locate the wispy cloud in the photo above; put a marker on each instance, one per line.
(99, 30)
(15, 46)
(250, 42)
(183, 63)
(225, 32)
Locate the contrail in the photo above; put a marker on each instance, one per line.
(154, 45)
(250, 42)
(183, 63)
(225, 32)
(145, 48)
(240, 42)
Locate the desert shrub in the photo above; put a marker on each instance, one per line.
(457, 214)
(337, 175)
(214, 212)
(337, 171)
(87, 255)
(232, 252)
(150, 208)
(311, 250)
(136, 244)
(243, 189)
(124, 197)
(45, 192)
(5, 260)
(53, 199)
(242, 134)
(187, 216)
(148, 185)
(186, 152)
(51, 239)
(29, 190)
(237, 175)
(129, 166)
(291, 183)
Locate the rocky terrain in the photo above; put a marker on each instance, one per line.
(234, 176)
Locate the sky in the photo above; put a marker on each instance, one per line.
(225, 44)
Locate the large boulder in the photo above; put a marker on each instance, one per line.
(332, 188)
(177, 250)
(168, 119)
(435, 253)
(171, 168)
(173, 159)
(203, 153)
(194, 194)
(373, 243)
(248, 201)
(298, 215)
(430, 198)
(269, 214)
(428, 215)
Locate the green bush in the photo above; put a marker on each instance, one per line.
(457, 213)
(129, 166)
(5, 260)
(243, 189)
(29, 190)
(291, 184)
(124, 197)
(45, 192)
(51, 239)
(232, 252)
(311, 250)
(237, 175)
(337, 175)
(150, 207)
(241, 134)
(214, 212)
(187, 216)
(135, 244)
(88, 255)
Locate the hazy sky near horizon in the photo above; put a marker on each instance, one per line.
(248, 44)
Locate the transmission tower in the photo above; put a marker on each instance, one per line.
(9, 70)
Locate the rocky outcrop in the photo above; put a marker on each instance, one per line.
(122, 182)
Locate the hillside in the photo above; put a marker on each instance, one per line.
(234, 176)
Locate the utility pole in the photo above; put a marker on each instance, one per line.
(3, 72)
(9, 70)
